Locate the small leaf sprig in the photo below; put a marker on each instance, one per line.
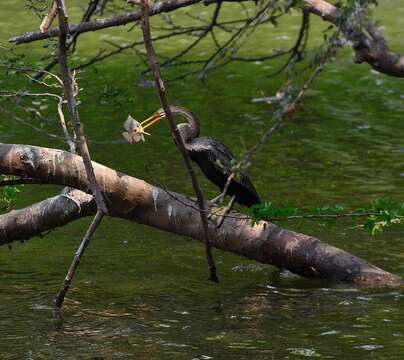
(379, 214)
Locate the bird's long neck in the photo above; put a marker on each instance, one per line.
(192, 129)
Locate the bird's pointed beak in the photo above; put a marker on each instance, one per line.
(157, 116)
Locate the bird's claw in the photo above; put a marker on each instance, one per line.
(221, 212)
(217, 200)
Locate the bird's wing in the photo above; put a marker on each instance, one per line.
(216, 152)
(245, 181)
(221, 158)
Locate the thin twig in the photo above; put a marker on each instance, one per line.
(51, 135)
(286, 114)
(102, 54)
(182, 202)
(38, 129)
(221, 51)
(325, 216)
(180, 142)
(22, 181)
(76, 260)
(298, 47)
(200, 37)
(271, 219)
(69, 140)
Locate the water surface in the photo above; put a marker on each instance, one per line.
(142, 293)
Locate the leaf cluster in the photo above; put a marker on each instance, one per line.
(38, 6)
(8, 194)
(388, 212)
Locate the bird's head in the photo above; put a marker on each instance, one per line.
(188, 131)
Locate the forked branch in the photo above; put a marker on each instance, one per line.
(70, 91)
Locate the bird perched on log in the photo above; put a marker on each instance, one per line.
(214, 158)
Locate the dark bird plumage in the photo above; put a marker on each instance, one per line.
(214, 159)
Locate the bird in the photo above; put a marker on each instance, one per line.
(214, 158)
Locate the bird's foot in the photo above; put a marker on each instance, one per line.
(216, 200)
(221, 212)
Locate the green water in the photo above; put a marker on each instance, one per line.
(141, 293)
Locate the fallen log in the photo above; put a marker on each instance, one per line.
(138, 201)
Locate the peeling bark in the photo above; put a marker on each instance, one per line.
(138, 201)
(44, 216)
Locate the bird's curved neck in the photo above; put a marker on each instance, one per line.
(192, 128)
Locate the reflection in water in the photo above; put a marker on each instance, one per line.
(237, 318)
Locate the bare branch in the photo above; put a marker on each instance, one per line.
(76, 260)
(70, 90)
(70, 142)
(102, 55)
(200, 37)
(118, 20)
(28, 124)
(177, 136)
